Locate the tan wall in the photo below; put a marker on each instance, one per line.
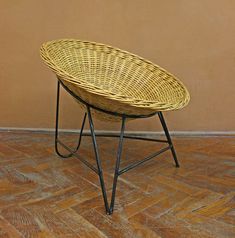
(194, 39)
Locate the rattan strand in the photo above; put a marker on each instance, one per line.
(113, 79)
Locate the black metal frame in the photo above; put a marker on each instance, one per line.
(98, 170)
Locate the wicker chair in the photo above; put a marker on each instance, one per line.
(115, 85)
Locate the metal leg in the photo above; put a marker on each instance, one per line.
(168, 138)
(109, 210)
(57, 141)
(98, 168)
(98, 162)
(116, 173)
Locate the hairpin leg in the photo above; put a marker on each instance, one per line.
(116, 173)
(168, 138)
(109, 209)
(98, 162)
(57, 141)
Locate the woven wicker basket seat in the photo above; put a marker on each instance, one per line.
(112, 79)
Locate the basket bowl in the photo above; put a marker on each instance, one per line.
(112, 79)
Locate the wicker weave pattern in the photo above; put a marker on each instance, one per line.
(113, 79)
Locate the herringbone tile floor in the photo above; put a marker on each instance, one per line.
(44, 196)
